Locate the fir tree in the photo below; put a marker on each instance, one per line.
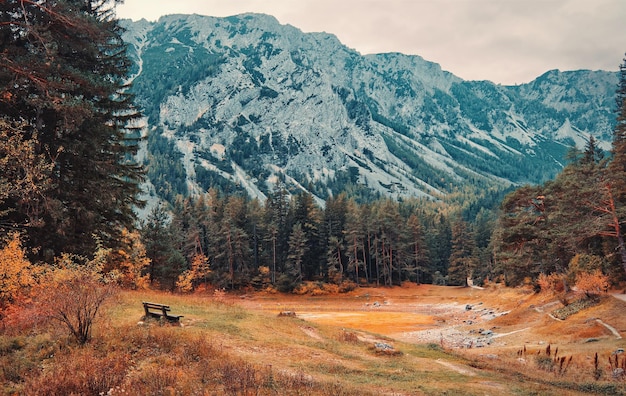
(462, 260)
(62, 73)
(617, 167)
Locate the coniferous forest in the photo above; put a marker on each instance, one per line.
(69, 187)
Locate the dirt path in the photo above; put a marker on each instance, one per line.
(611, 329)
(619, 296)
(455, 367)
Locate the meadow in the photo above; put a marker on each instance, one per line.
(411, 340)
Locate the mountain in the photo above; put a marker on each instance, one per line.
(244, 103)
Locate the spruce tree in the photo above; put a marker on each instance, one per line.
(617, 167)
(462, 260)
(62, 72)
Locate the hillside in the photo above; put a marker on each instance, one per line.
(245, 103)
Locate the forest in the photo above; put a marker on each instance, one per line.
(69, 188)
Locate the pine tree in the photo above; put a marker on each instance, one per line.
(62, 71)
(439, 246)
(307, 214)
(417, 244)
(276, 219)
(391, 226)
(292, 275)
(161, 248)
(617, 166)
(519, 236)
(355, 241)
(462, 260)
(593, 153)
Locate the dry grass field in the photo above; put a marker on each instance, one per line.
(411, 340)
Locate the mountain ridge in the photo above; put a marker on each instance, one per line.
(249, 103)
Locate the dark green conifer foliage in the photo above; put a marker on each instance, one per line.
(162, 248)
(307, 214)
(277, 226)
(292, 276)
(62, 73)
(462, 260)
(417, 244)
(617, 166)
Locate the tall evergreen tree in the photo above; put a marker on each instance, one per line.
(161, 248)
(593, 153)
(277, 224)
(462, 259)
(307, 214)
(292, 275)
(62, 72)
(617, 165)
(391, 230)
(417, 245)
(355, 241)
(439, 245)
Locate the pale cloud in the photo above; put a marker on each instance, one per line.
(505, 41)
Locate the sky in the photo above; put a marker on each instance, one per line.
(505, 41)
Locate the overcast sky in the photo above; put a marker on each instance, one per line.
(505, 41)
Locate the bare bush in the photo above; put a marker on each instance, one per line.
(73, 294)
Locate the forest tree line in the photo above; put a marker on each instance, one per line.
(231, 241)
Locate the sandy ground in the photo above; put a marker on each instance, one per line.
(454, 317)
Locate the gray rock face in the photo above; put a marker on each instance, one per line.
(247, 101)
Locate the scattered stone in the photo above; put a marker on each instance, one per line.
(468, 307)
(592, 340)
(287, 313)
(618, 373)
(376, 304)
(618, 351)
(383, 346)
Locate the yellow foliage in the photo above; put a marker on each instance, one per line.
(185, 281)
(16, 272)
(592, 283)
(198, 272)
(583, 263)
(128, 264)
(551, 283)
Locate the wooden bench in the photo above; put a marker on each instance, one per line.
(159, 311)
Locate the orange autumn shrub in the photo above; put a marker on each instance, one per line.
(592, 283)
(552, 283)
(17, 274)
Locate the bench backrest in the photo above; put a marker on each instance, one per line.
(156, 306)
